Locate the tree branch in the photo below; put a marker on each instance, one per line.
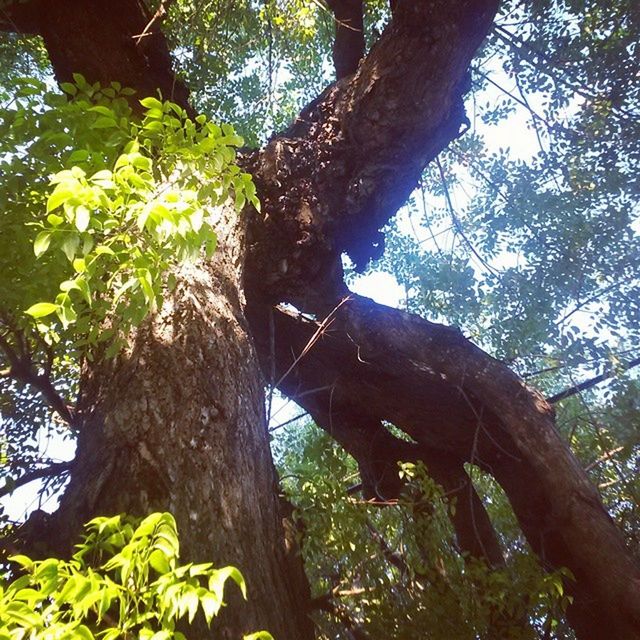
(592, 382)
(330, 368)
(23, 370)
(353, 156)
(444, 392)
(73, 27)
(348, 46)
(45, 472)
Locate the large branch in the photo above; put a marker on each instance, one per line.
(321, 381)
(104, 41)
(447, 394)
(353, 156)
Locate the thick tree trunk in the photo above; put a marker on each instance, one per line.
(177, 423)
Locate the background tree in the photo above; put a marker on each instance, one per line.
(176, 420)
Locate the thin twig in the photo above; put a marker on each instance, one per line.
(588, 384)
(289, 421)
(456, 222)
(603, 458)
(52, 470)
(158, 16)
(322, 327)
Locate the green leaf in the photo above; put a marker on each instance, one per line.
(69, 285)
(22, 615)
(65, 310)
(210, 605)
(154, 113)
(41, 309)
(191, 601)
(147, 526)
(82, 218)
(104, 250)
(83, 285)
(69, 88)
(59, 196)
(70, 245)
(79, 155)
(24, 561)
(144, 278)
(131, 283)
(220, 576)
(104, 122)
(159, 562)
(150, 103)
(101, 109)
(83, 633)
(41, 243)
(153, 125)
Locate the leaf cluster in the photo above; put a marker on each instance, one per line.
(394, 569)
(135, 197)
(123, 581)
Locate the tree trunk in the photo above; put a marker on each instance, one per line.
(177, 423)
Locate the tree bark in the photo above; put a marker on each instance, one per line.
(177, 423)
(114, 34)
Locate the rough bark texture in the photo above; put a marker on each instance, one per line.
(353, 156)
(178, 422)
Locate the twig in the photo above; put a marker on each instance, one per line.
(314, 338)
(456, 222)
(52, 470)
(289, 421)
(158, 16)
(587, 384)
(603, 458)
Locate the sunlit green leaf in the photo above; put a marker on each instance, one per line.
(41, 309)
